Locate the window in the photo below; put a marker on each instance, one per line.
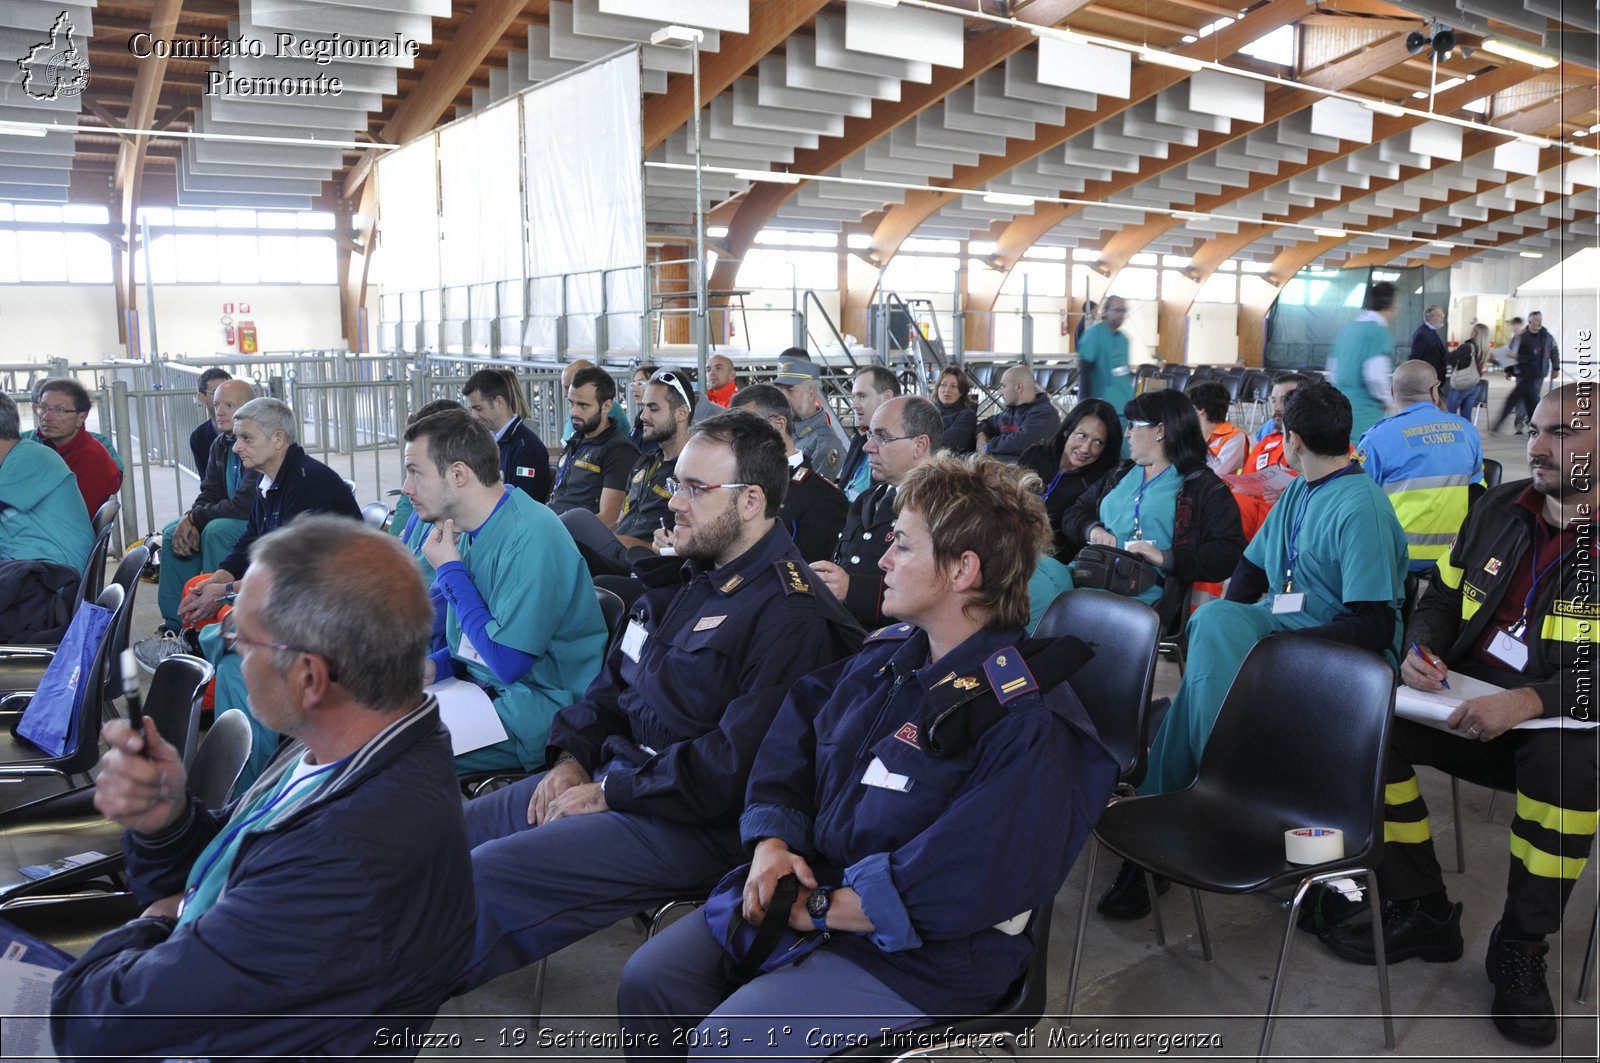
(92, 215)
(1045, 280)
(279, 259)
(915, 273)
(1219, 288)
(41, 256)
(773, 268)
(199, 219)
(197, 258)
(785, 238)
(931, 246)
(236, 219)
(237, 263)
(1134, 283)
(1275, 47)
(88, 259)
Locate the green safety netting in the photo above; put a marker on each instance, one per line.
(1317, 303)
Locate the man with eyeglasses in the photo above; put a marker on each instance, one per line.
(61, 412)
(1427, 461)
(664, 415)
(904, 434)
(332, 901)
(520, 616)
(205, 433)
(45, 535)
(647, 772)
(1029, 417)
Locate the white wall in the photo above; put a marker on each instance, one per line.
(78, 322)
(1213, 334)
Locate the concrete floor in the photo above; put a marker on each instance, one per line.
(1130, 985)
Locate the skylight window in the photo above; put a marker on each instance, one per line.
(1276, 47)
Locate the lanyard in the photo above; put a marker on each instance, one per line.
(1300, 519)
(1138, 500)
(1057, 479)
(224, 843)
(1520, 628)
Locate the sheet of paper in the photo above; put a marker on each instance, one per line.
(468, 715)
(1434, 707)
(25, 1003)
(1269, 482)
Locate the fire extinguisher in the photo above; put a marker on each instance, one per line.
(247, 337)
(227, 330)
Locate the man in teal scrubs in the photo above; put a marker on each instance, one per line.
(1362, 360)
(1103, 358)
(521, 619)
(41, 510)
(1330, 561)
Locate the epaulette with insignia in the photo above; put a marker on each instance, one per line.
(1009, 675)
(894, 632)
(792, 574)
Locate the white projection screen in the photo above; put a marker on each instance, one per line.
(537, 211)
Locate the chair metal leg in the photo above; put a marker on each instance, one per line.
(1200, 921)
(1494, 796)
(1155, 905)
(1083, 924)
(659, 916)
(1589, 957)
(1461, 843)
(538, 992)
(1288, 943)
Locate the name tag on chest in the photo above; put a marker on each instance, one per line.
(633, 640)
(879, 775)
(1292, 602)
(1512, 651)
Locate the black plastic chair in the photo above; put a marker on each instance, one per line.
(67, 824)
(626, 588)
(1224, 832)
(94, 571)
(1493, 472)
(615, 614)
(221, 758)
(1018, 1012)
(376, 514)
(1115, 685)
(21, 759)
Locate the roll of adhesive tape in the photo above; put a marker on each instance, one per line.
(1313, 845)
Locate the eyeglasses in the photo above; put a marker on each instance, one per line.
(882, 438)
(56, 411)
(1141, 424)
(672, 381)
(695, 489)
(231, 639)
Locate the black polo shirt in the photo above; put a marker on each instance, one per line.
(645, 506)
(590, 465)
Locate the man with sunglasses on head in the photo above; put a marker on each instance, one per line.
(905, 433)
(647, 770)
(664, 415)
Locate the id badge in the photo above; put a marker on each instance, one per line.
(879, 775)
(1510, 651)
(467, 651)
(633, 640)
(1289, 602)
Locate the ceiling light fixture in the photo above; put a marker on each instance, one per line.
(1531, 254)
(1519, 52)
(775, 176)
(1384, 108)
(1157, 57)
(1008, 199)
(1332, 234)
(9, 129)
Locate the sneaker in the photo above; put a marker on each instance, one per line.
(1128, 898)
(1408, 932)
(1523, 1011)
(152, 651)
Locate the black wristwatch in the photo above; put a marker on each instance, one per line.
(817, 906)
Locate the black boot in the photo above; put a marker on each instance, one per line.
(1128, 898)
(1408, 932)
(1523, 1011)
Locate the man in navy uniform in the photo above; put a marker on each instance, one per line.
(642, 799)
(813, 508)
(524, 459)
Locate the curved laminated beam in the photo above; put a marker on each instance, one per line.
(771, 23)
(985, 48)
(900, 221)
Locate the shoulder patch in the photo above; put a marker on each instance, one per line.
(892, 633)
(1009, 675)
(793, 577)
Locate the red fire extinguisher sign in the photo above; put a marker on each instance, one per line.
(247, 337)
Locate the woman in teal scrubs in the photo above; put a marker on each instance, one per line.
(1164, 505)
